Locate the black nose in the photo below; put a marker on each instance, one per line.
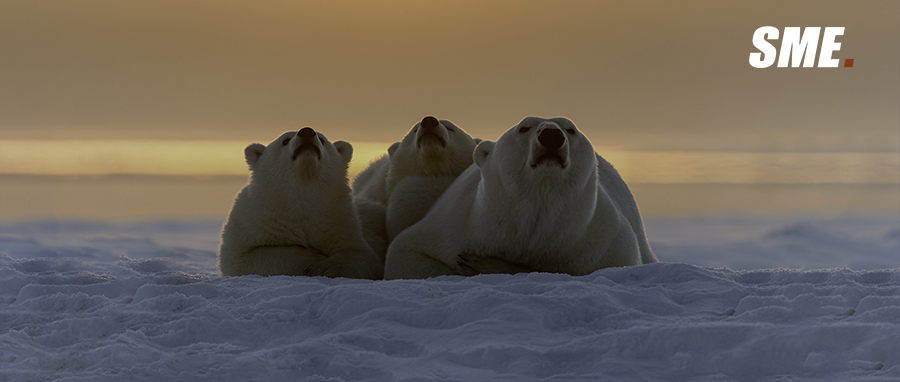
(429, 123)
(551, 139)
(306, 132)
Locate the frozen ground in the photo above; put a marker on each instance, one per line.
(734, 299)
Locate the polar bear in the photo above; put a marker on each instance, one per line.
(296, 215)
(538, 199)
(403, 184)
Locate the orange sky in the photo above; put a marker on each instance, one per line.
(203, 159)
(640, 75)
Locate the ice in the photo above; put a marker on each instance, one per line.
(734, 299)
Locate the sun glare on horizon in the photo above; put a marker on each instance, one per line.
(143, 157)
(226, 158)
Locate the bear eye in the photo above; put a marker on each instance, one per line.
(570, 131)
(448, 129)
(524, 129)
(285, 141)
(322, 141)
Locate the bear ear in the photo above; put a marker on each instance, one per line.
(345, 149)
(252, 153)
(481, 152)
(393, 148)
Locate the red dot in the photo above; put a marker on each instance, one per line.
(848, 63)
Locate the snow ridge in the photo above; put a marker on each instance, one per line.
(145, 303)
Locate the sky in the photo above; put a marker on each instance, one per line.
(640, 75)
(105, 86)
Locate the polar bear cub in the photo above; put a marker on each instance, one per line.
(539, 199)
(296, 215)
(396, 190)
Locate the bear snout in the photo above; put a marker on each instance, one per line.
(551, 138)
(550, 147)
(430, 130)
(307, 141)
(306, 132)
(429, 123)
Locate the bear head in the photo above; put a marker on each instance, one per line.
(301, 155)
(538, 155)
(432, 147)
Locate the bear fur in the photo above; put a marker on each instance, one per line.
(372, 218)
(396, 190)
(538, 199)
(296, 215)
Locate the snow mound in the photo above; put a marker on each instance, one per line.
(654, 322)
(144, 302)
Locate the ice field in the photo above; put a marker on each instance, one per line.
(742, 299)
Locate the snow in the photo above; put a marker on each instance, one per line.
(799, 299)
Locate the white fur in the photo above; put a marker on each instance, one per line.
(410, 178)
(370, 184)
(296, 215)
(372, 216)
(505, 215)
(411, 199)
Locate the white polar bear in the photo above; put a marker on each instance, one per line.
(296, 215)
(396, 190)
(539, 199)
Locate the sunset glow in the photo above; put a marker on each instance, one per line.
(149, 157)
(217, 158)
(135, 109)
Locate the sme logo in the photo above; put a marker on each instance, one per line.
(797, 46)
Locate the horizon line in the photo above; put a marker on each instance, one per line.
(88, 158)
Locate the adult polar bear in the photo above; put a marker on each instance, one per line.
(538, 199)
(296, 216)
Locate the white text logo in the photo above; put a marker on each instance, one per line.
(796, 47)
